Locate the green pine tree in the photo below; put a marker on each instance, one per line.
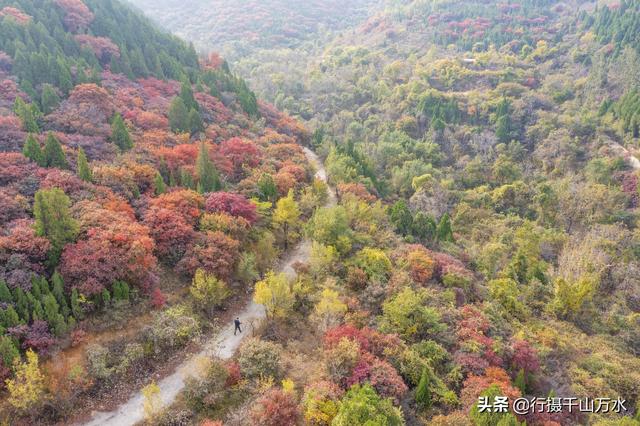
(53, 154)
(401, 217)
(159, 185)
(22, 305)
(208, 177)
(119, 133)
(53, 316)
(120, 290)
(444, 231)
(5, 293)
(58, 293)
(32, 150)
(186, 94)
(35, 287)
(83, 170)
(179, 116)
(27, 114)
(8, 351)
(106, 297)
(186, 179)
(37, 312)
(76, 309)
(49, 99)
(267, 189)
(423, 392)
(503, 129)
(424, 226)
(11, 317)
(195, 122)
(53, 220)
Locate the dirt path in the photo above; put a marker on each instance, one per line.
(222, 346)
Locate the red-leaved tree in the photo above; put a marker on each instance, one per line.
(170, 231)
(214, 252)
(122, 251)
(275, 408)
(233, 204)
(241, 153)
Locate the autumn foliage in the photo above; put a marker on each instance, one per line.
(233, 204)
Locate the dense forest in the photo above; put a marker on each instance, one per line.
(485, 239)
(140, 190)
(472, 234)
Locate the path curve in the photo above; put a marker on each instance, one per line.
(223, 345)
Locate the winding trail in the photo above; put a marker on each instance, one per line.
(222, 345)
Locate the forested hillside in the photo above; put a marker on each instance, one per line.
(486, 238)
(242, 26)
(140, 190)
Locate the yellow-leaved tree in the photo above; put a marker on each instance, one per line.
(207, 291)
(27, 387)
(286, 217)
(329, 308)
(274, 292)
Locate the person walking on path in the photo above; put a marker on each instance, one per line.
(237, 323)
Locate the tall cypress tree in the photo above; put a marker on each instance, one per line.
(53, 220)
(186, 179)
(53, 154)
(5, 294)
(208, 178)
(444, 231)
(76, 309)
(195, 122)
(178, 116)
(49, 99)
(84, 171)
(58, 293)
(32, 150)
(27, 114)
(423, 393)
(186, 93)
(119, 133)
(159, 185)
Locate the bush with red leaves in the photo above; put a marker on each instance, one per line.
(22, 253)
(121, 251)
(233, 374)
(214, 252)
(476, 348)
(12, 207)
(357, 189)
(77, 14)
(233, 204)
(241, 153)
(524, 357)
(186, 203)
(158, 299)
(275, 408)
(35, 336)
(87, 111)
(102, 47)
(386, 380)
(19, 16)
(171, 232)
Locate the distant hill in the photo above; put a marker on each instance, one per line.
(243, 26)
